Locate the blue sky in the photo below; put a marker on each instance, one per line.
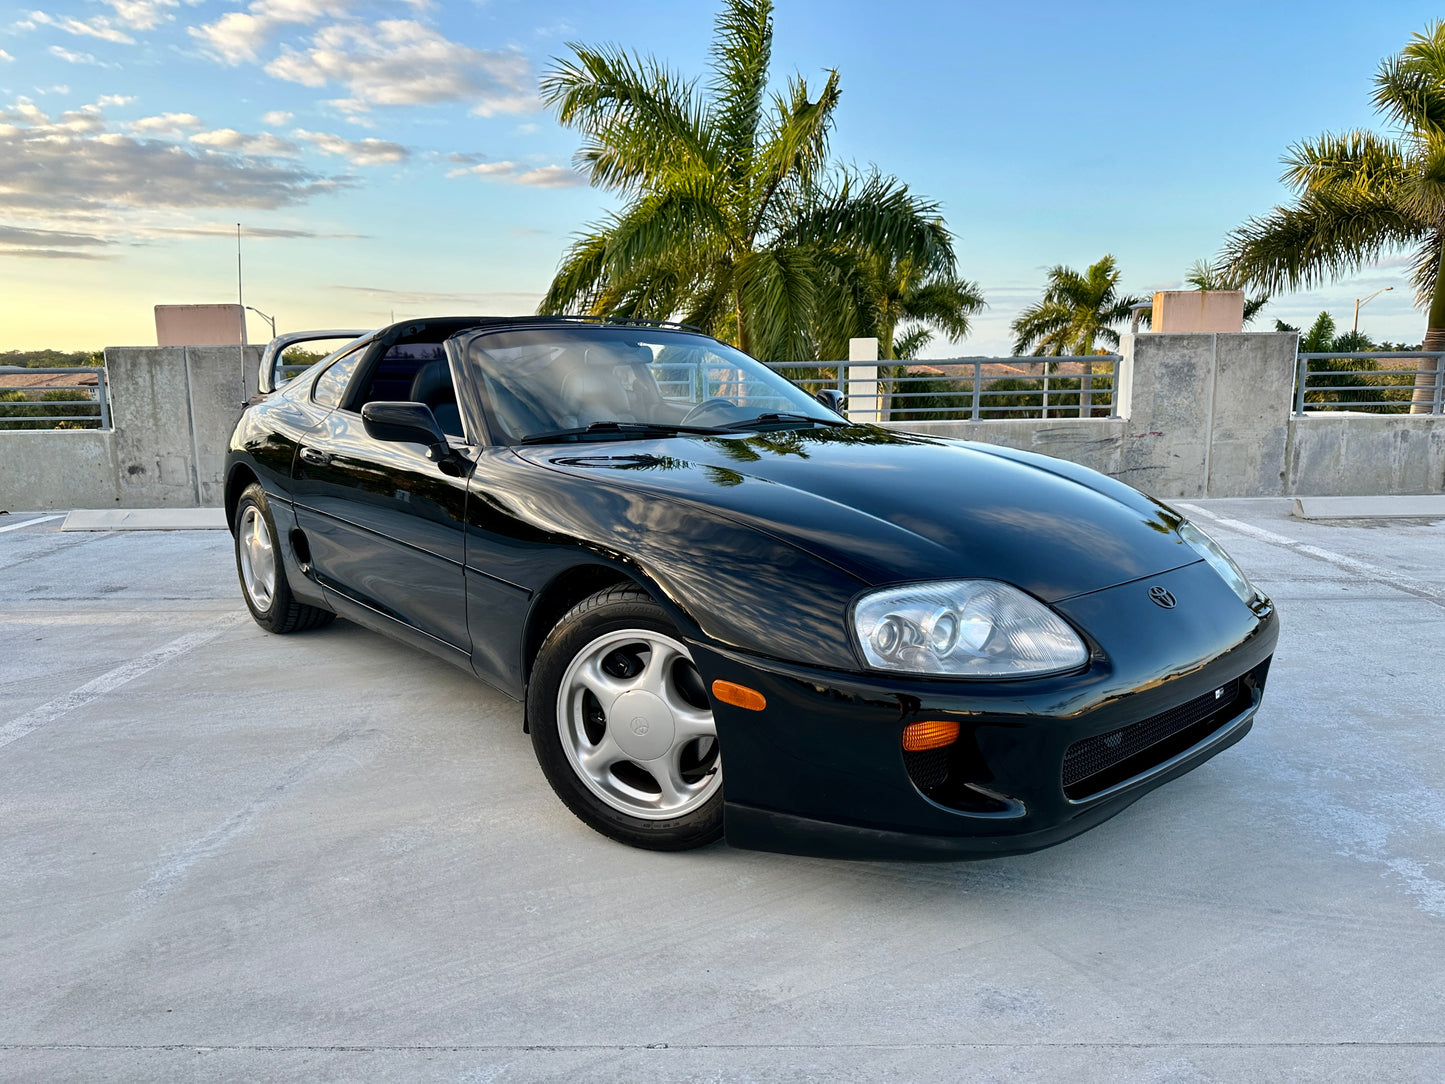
(391, 157)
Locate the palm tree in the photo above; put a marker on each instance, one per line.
(1203, 275)
(734, 220)
(903, 306)
(1359, 194)
(1076, 312)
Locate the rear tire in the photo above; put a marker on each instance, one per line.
(622, 725)
(262, 572)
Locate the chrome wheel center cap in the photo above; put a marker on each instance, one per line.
(642, 725)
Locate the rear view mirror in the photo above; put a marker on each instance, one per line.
(833, 399)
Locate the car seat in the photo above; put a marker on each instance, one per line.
(432, 385)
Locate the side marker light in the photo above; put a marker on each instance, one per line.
(739, 696)
(934, 734)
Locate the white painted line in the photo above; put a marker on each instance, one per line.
(92, 690)
(28, 522)
(1431, 591)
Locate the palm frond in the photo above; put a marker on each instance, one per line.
(639, 119)
(1322, 236)
(777, 290)
(575, 285)
(876, 216)
(797, 145)
(1343, 162)
(1410, 87)
(1042, 328)
(907, 346)
(741, 52)
(945, 303)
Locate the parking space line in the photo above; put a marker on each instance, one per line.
(1428, 591)
(112, 679)
(28, 522)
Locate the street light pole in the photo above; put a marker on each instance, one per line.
(272, 320)
(1358, 303)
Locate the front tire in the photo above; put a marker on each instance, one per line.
(622, 726)
(262, 572)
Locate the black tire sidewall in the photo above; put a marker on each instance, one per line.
(614, 610)
(272, 617)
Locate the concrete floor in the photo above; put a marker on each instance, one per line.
(231, 855)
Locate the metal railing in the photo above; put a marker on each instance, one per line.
(1357, 382)
(972, 389)
(48, 406)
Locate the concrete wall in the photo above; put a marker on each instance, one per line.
(1208, 415)
(172, 409)
(1350, 455)
(1200, 415)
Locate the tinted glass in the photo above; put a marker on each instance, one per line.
(540, 380)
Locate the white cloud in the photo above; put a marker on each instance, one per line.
(72, 58)
(513, 173)
(105, 101)
(143, 14)
(99, 27)
(228, 139)
(400, 62)
(167, 123)
(361, 152)
(5, 56)
(238, 36)
(276, 118)
(74, 165)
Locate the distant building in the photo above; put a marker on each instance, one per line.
(200, 325)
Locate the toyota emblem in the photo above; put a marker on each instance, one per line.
(1160, 596)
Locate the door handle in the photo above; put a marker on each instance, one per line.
(315, 457)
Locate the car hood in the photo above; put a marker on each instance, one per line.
(890, 507)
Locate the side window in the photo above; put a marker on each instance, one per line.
(331, 385)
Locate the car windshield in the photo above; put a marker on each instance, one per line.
(555, 382)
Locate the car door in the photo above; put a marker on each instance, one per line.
(385, 527)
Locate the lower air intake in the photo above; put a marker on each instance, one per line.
(1097, 763)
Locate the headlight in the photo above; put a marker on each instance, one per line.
(1218, 560)
(964, 628)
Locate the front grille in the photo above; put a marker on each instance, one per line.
(928, 768)
(1097, 763)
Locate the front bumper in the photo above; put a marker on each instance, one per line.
(821, 771)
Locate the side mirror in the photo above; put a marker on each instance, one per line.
(411, 423)
(833, 399)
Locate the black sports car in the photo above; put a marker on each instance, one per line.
(897, 645)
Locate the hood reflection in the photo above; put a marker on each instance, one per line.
(890, 507)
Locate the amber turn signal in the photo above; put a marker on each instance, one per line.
(740, 696)
(934, 734)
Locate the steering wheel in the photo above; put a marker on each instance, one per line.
(710, 410)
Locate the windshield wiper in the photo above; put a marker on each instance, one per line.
(785, 417)
(618, 429)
